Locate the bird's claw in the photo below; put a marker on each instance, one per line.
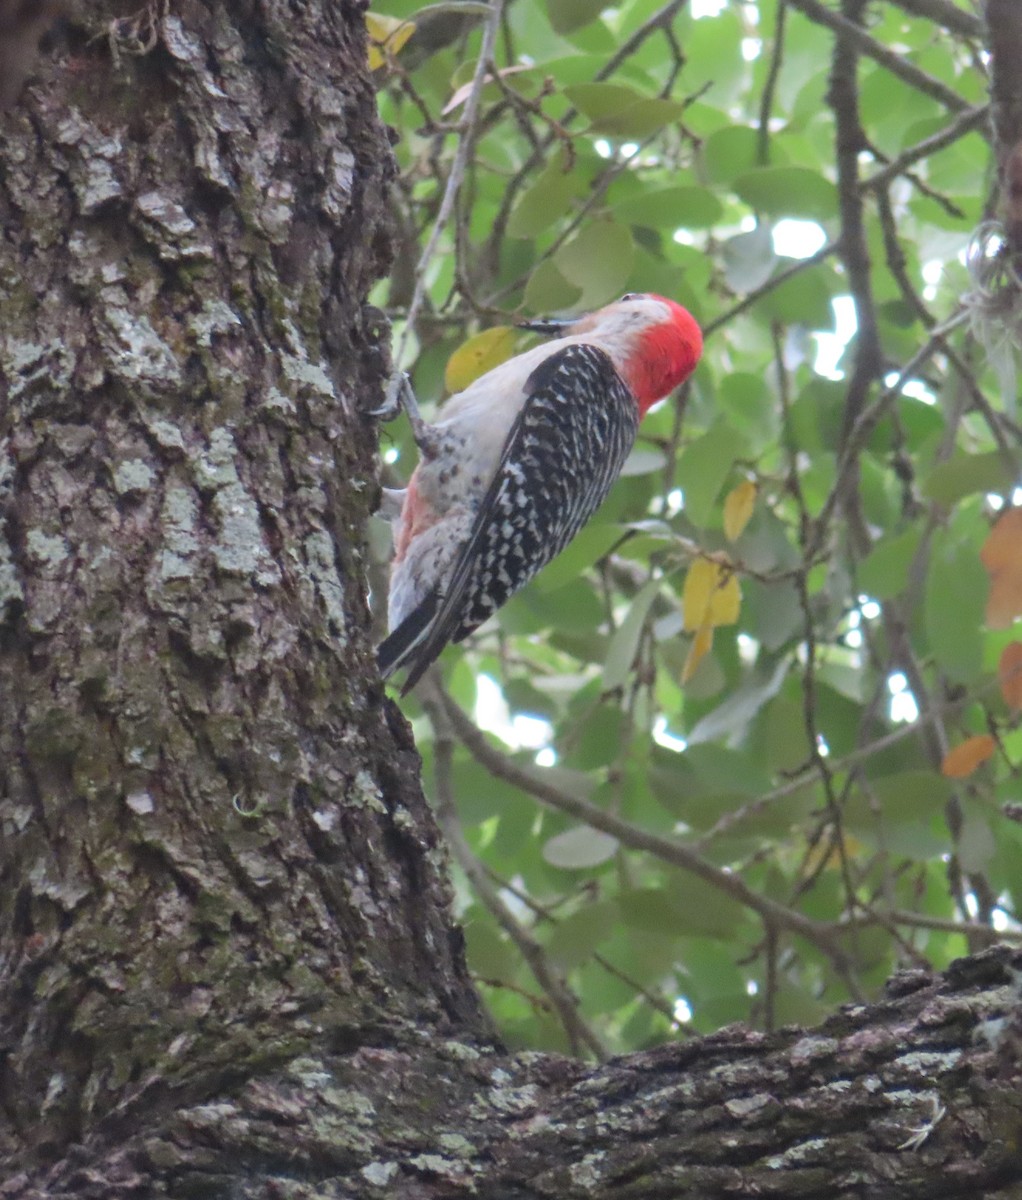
(399, 396)
(394, 399)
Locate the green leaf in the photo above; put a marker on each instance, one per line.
(546, 202)
(580, 848)
(598, 261)
(976, 843)
(713, 57)
(586, 548)
(548, 291)
(966, 474)
(704, 909)
(772, 612)
(480, 795)
(884, 572)
(489, 955)
(705, 781)
(688, 905)
(575, 939)
(788, 192)
(703, 467)
(953, 607)
(749, 259)
(625, 642)
(902, 813)
(567, 15)
(599, 739)
(747, 401)
(574, 606)
(671, 208)
(735, 714)
(730, 152)
(621, 112)
(804, 299)
(648, 909)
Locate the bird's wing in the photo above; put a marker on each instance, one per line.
(564, 451)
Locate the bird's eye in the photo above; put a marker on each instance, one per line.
(631, 296)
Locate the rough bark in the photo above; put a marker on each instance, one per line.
(214, 849)
(227, 966)
(915, 1098)
(1004, 33)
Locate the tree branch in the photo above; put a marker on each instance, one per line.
(454, 180)
(945, 13)
(966, 122)
(578, 1033)
(889, 59)
(668, 850)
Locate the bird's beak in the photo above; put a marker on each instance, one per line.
(548, 325)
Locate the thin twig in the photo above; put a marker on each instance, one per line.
(966, 122)
(454, 180)
(843, 97)
(863, 428)
(767, 102)
(807, 775)
(668, 850)
(946, 13)
(576, 1030)
(773, 282)
(880, 53)
(545, 914)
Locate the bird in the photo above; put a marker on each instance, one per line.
(517, 463)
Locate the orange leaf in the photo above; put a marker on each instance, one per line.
(1009, 671)
(965, 758)
(1002, 556)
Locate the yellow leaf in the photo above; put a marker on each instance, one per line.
(1002, 557)
(702, 644)
(827, 856)
(387, 35)
(711, 595)
(477, 356)
(1009, 671)
(695, 598)
(726, 602)
(738, 509)
(965, 758)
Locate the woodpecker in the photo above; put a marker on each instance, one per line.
(517, 464)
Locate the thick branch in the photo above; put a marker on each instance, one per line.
(916, 1097)
(1004, 23)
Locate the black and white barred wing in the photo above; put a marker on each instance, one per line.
(564, 452)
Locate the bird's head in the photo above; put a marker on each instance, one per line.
(654, 342)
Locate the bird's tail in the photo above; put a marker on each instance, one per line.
(399, 648)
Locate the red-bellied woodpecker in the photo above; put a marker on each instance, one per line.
(517, 464)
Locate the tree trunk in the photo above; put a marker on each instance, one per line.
(227, 964)
(216, 855)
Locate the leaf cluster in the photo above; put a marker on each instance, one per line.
(835, 464)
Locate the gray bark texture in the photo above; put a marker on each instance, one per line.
(227, 963)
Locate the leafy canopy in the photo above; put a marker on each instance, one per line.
(773, 666)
